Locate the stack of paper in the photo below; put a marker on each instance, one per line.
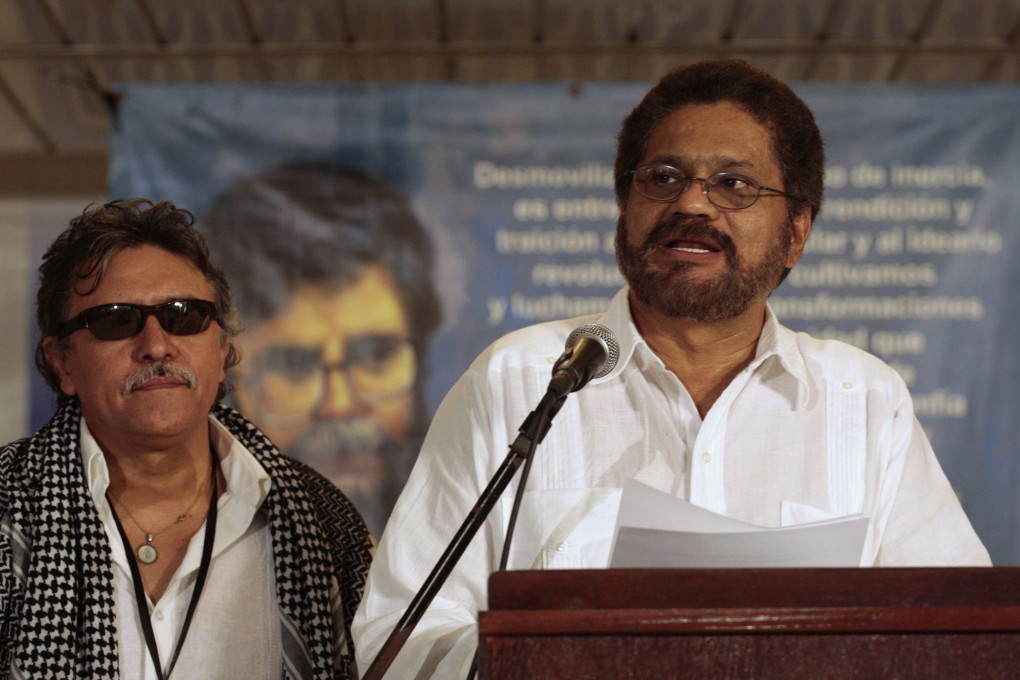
(657, 530)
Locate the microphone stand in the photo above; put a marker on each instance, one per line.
(532, 431)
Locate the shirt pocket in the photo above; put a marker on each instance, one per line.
(563, 528)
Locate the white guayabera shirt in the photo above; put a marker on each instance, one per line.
(811, 429)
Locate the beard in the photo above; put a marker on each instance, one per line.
(368, 465)
(671, 291)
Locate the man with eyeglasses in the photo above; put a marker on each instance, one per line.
(718, 177)
(333, 282)
(149, 531)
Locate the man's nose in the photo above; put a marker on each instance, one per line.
(693, 200)
(153, 343)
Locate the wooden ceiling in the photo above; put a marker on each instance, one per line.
(61, 60)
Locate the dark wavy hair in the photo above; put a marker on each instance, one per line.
(796, 141)
(82, 253)
(310, 223)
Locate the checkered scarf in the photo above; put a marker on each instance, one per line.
(56, 596)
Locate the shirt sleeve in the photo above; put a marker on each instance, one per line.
(455, 464)
(925, 525)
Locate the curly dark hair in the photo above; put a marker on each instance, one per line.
(83, 252)
(796, 141)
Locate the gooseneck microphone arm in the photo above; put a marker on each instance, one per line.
(532, 432)
(591, 352)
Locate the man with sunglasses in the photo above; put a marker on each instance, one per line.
(718, 177)
(148, 531)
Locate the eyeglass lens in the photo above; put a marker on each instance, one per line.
(290, 381)
(723, 189)
(118, 321)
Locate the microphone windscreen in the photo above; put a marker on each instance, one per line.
(594, 330)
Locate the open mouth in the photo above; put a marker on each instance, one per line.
(697, 247)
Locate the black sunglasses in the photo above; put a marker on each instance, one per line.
(121, 320)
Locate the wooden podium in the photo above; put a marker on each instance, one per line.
(816, 624)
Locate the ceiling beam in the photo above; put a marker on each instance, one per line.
(791, 46)
(32, 175)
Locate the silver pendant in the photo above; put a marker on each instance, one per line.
(147, 552)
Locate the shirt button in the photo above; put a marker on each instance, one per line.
(706, 457)
(848, 385)
(561, 546)
(158, 615)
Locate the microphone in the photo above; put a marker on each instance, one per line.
(591, 352)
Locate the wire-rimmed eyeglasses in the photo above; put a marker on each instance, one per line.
(726, 190)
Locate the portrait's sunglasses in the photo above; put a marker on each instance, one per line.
(122, 320)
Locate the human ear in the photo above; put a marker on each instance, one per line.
(800, 229)
(56, 352)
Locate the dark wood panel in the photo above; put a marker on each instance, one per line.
(795, 624)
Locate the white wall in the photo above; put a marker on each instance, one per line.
(27, 226)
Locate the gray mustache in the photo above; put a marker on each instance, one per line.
(163, 368)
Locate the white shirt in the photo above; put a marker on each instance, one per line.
(810, 429)
(235, 631)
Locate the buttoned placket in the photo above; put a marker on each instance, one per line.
(708, 453)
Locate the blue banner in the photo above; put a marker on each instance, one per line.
(512, 186)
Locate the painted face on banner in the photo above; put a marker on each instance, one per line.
(688, 258)
(330, 380)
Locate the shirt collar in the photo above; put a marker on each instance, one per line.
(781, 343)
(774, 341)
(617, 319)
(97, 474)
(245, 477)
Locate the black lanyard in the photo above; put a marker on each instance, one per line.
(203, 570)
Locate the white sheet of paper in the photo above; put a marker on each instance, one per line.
(657, 530)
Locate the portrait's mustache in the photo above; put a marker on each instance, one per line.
(336, 438)
(163, 368)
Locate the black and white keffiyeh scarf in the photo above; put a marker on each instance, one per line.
(56, 575)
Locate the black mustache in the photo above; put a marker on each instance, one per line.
(685, 228)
